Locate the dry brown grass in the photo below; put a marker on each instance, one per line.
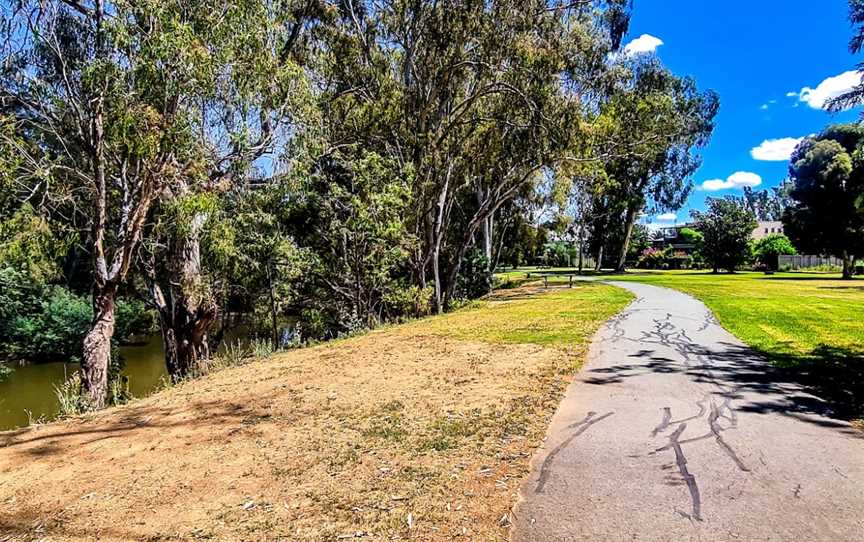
(414, 432)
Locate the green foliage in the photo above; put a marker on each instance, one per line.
(559, 254)
(827, 175)
(352, 218)
(854, 96)
(767, 205)
(407, 300)
(726, 227)
(48, 322)
(28, 243)
(661, 120)
(767, 249)
(691, 237)
(476, 278)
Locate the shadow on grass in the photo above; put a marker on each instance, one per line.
(859, 288)
(834, 374)
(824, 387)
(833, 276)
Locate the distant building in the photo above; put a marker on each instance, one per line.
(682, 251)
(764, 229)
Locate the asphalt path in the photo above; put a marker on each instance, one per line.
(675, 430)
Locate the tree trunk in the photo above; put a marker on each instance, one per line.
(436, 248)
(598, 265)
(581, 249)
(848, 265)
(188, 313)
(628, 233)
(97, 346)
(457, 263)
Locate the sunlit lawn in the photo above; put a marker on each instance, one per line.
(566, 317)
(812, 324)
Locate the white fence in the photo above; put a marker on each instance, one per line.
(795, 263)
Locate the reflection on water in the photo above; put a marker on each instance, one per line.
(29, 390)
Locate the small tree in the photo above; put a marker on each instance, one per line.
(768, 249)
(726, 227)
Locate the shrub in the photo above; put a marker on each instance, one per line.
(767, 250)
(48, 322)
(403, 301)
(652, 258)
(475, 280)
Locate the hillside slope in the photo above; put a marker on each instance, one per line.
(421, 431)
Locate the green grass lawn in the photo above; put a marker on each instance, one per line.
(811, 324)
(566, 317)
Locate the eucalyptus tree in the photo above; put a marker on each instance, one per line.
(768, 204)
(247, 109)
(653, 127)
(855, 96)
(86, 86)
(476, 97)
(131, 112)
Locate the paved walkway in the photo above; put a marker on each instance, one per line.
(674, 430)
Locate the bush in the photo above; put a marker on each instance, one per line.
(653, 258)
(407, 301)
(48, 322)
(767, 250)
(475, 280)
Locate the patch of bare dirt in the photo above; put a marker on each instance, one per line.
(396, 435)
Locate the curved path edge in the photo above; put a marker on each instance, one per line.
(674, 429)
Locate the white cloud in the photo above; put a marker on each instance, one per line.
(667, 217)
(829, 88)
(792, 94)
(764, 107)
(775, 150)
(646, 43)
(738, 179)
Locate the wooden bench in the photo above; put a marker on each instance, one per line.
(546, 276)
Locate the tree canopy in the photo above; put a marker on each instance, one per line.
(726, 227)
(341, 163)
(828, 190)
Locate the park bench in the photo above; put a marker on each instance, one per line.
(545, 277)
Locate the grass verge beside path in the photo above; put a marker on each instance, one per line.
(809, 324)
(422, 431)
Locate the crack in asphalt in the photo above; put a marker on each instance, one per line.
(715, 432)
(689, 479)
(581, 427)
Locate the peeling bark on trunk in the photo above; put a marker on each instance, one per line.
(187, 314)
(97, 346)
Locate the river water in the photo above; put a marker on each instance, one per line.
(28, 392)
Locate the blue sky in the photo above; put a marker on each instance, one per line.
(753, 53)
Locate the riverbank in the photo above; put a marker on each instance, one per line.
(420, 431)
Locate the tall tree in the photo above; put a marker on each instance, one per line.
(470, 96)
(726, 227)
(655, 124)
(770, 204)
(87, 94)
(827, 173)
(249, 102)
